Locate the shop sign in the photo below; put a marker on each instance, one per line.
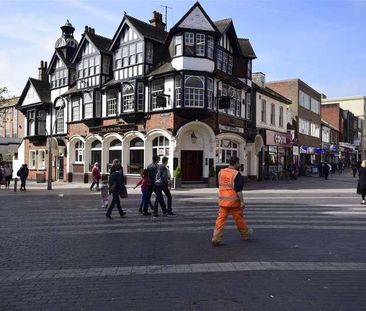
(113, 128)
(295, 150)
(231, 128)
(278, 139)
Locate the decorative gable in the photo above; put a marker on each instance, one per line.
(31, 96)
(196, 19)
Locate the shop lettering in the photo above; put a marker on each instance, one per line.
(279, 139)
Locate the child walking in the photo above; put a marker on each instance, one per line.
(143, 182)
(104, 193)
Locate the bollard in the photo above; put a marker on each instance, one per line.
(15, 184)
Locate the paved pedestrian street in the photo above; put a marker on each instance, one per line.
(308, 252)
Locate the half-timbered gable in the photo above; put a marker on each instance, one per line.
(35, 103)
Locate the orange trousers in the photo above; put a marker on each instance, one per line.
(238, 216)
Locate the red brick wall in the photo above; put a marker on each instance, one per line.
(331, 114)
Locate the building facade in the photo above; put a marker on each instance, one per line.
(184, 94)
(272, 118)
(306, 121)
(357, 106)
(11, 130)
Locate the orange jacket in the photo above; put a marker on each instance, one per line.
(227, 194)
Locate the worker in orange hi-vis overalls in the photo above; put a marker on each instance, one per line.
(230, 201)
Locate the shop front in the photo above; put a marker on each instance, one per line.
(277, 153)
(310, 160)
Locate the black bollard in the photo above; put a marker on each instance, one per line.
(15, 184)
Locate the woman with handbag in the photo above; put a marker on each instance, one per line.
(361, 187)
(116, 188)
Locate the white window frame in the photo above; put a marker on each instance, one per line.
(75, 109)
(111, 102)
(200, 44)
(32, 159)
(160, 146)
(225, 149)
(31, 116)
(178, 90)
(79, 151)
(210, 93)
(304, 126)
(128, 97)
(178, 45)
(194, 96)
(210, 47)
(156, 91)
(41, 159)
(189, 39)
(88, 105)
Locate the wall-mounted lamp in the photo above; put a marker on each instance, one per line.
(193, 138)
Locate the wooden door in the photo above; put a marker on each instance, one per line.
(191, 164)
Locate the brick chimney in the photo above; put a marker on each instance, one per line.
(42, 72)
(157, 20)
(259, 78)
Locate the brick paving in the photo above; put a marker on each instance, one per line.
(58, 252)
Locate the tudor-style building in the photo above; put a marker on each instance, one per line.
(147, 91)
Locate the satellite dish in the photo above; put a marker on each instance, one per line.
(258, 143)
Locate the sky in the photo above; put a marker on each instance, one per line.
(322, 42)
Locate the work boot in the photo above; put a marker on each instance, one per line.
(217, 238)
(246, 234)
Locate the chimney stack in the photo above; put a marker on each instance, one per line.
(259, 78)
(157, 20)
(42, 72)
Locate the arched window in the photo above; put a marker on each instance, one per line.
(225, 149)
(79, 151)
(160, 146)
(136, 156)
(115, 152)
(96, 153)
(194, 89)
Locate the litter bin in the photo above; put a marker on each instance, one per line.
(69, 177)
(86, 178)
(40, 177)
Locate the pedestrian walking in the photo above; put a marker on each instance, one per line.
(326, 169)
(115, 164)
(340, 167)
(104, 194)
(354, 168)
(231, 201)
(291, 170)
(23, 173)
(116, 184)
(143, 182)
(361, 186)
(1, 175)
(96, 176)
(162, 185)
(8, 173)
(151, 174)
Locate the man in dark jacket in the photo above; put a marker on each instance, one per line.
(23, 173)
(151, 173)
(326, 169)
(162, 185)
(116, 183)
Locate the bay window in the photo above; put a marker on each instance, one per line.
(140, 96)
(41, 122)
(210, 96)
(210, 47)
(200, 44)
(189, 43)
(75, 109)
(178, 91)
(31, 123)
(178, 46)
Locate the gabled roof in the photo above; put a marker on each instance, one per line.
(246, 48)
(59, 53)
(41, 87)
(223, 24)
(101, 43)
(144, 29)
(196, 5)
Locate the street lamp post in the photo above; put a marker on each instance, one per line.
(49, 182)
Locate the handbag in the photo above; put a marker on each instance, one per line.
(123, 194)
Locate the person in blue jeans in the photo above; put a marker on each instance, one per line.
(162, 185)
(116, 182)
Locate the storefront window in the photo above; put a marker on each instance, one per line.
(136, 156)
(225, 149)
